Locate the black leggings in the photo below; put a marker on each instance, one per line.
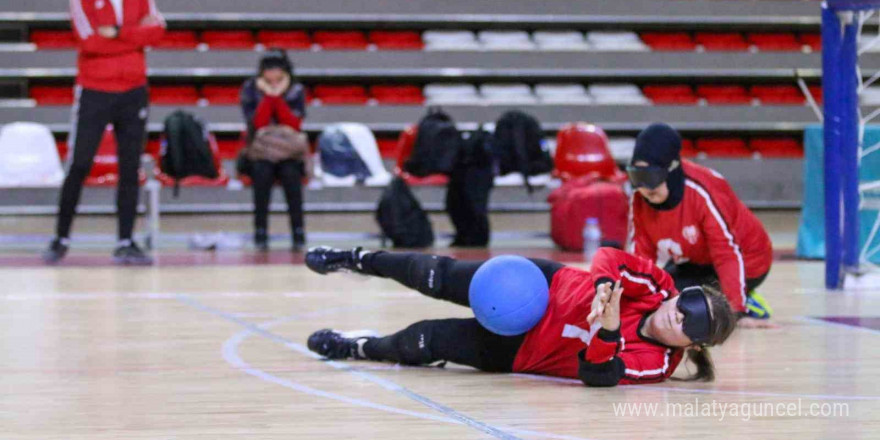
(688, 274)
(92, 111)
(463, 341)
(289, 173)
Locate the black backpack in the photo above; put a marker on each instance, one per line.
(517, 146)
(436, 147)
(402, 218)
(187, 150)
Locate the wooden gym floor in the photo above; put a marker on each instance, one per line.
(201, 350)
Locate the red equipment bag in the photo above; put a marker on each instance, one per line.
(579, 199)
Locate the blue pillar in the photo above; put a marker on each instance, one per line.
(849, 151)
(831, 88)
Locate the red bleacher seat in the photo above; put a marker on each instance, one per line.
(816, 91)
(105, 169)
(813, 41)
(221, 94)
(229, 147)
(724, 94)
(341, 94)
(285, 39)
(184, 40)
(581, 149)
(721, 40)
(688, 149)
(53, 39)
(671, 94)
(724, 147)
(669, 40)
(229, 39)
(387, 147)
(405, 144)
(62, 149)
(153, 147)
(775, 41)
(396, 40)
(777, 94)
(221, 180)
(340, 40)
(393, 94)
(777, 147)
(52, 95)
(174, 95)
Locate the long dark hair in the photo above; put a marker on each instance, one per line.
(723, 324)
(275, 58)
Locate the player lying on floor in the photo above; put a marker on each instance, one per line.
(623, 322)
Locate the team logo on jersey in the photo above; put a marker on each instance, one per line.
(690, 234)
(99, 4)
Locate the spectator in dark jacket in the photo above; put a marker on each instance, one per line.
(274, 107)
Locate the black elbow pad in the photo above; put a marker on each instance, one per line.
(606, 374)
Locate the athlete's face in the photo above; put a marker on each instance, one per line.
(656, 195)
(274, 77)
(666, 325)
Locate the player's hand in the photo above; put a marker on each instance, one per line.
(264, 87)
(283, 86)
(603, 293)
(749, 322)
(151, 20)
(610, 317)
(108, 32)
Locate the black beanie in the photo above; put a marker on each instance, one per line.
(659, 145)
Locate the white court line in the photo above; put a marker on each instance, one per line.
(488, 429)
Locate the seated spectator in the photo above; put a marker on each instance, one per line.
(274, 107)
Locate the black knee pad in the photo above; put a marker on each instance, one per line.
(427, 274)
(414, 344)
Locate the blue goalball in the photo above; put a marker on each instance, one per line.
(509, 295)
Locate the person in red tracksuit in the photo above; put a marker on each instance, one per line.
(634, 332)
(687, 219)
(111, 88)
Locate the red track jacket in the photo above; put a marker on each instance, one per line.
(710, 226)
(553, 346)
(118, 64)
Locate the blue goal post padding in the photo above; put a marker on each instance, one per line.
(811, 230)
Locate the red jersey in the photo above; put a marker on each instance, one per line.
(552, 346)
(113, 64)
(710, 226)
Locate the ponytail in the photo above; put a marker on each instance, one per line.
(705, 367)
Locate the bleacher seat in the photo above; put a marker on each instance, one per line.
(450, 40)
(53, 39)
(340, 40)
(387, 147)
(396, 40)
(816, 93)
(405, 143)
(291, 40)
(724, 94)
(105, 169)
(505, 40)
(174, 95)
(616, 41)
(723, 147)
(512, 93)
(230, 147)
(777, 147)
(348, 94)
(179, 40)
(732, 41)
(617, 94)
(670, 94)
(621, 148)
(218, 94)
(773, 94)
(776, 41)
(397, 94)
(560, 40)
(29, 156)
(221, 180)
(681, 41)
(581, 149)
(566, 93)
(229, 39)
(52, 95)
(812, 41)
(688, 150)
(463, 94)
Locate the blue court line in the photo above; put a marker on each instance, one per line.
(449, 412)
(813, 320)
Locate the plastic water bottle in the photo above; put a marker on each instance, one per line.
(592, 238)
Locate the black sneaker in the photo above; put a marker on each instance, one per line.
(128, 252)
(299, 239)
(261, 240)
(335, 345)
(324, 259)
(56, 252)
